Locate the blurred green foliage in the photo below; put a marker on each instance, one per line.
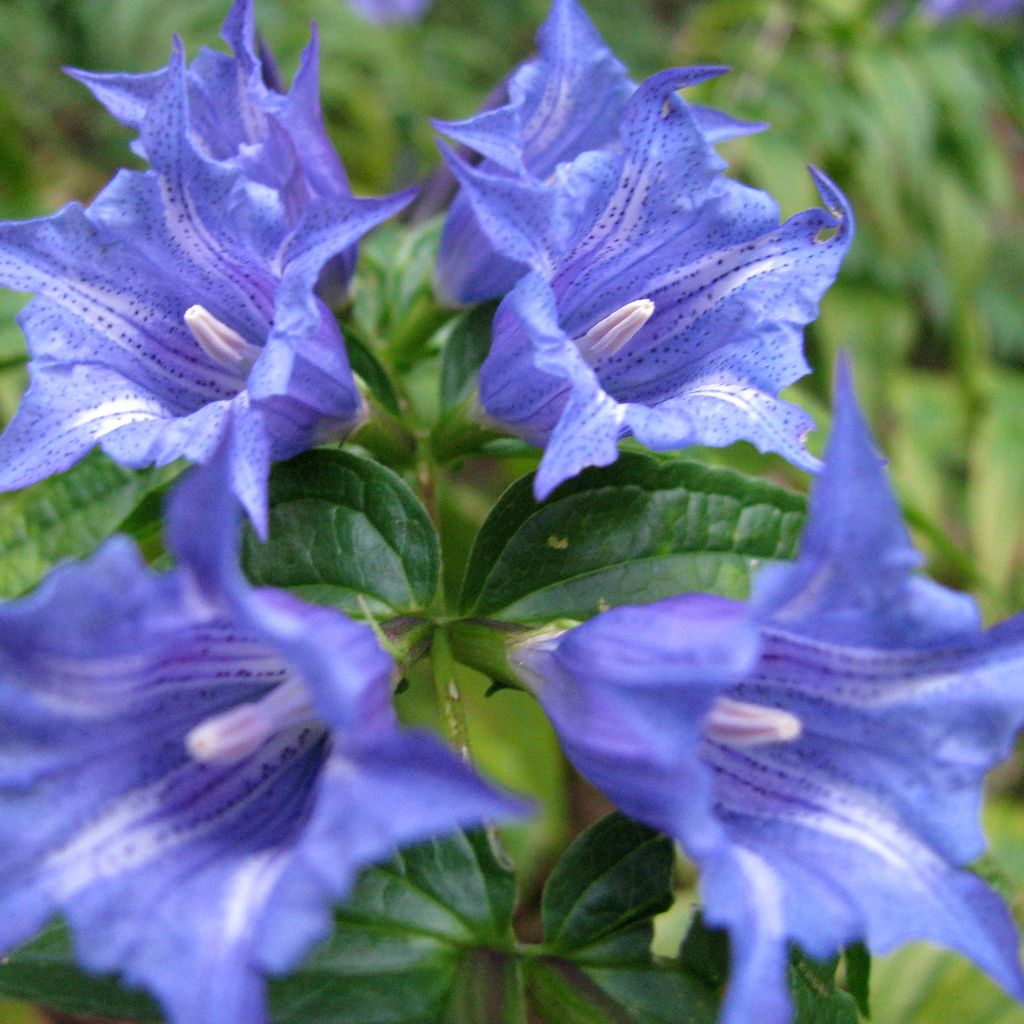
(921, 123)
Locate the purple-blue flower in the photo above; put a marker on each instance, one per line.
(567, 100)
(663, 300)
(820, 752)
(192, 770)
(986, 8)
(279, 139)
(390, 10)
(180, 305)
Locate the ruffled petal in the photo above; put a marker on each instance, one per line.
(564, 102)
(855, 580)
(726, 290)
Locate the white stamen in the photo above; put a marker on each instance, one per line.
(235, 734)
(610, 334)
(736, 723)
(221, 343)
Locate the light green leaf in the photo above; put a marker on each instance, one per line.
(65, 516)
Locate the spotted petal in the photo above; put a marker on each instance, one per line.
(829, 786)
(727, 291)
(856, 578)
(116, 359)
(189, 872)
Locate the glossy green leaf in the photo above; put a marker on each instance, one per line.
(638, 530)
(597, 910)
(398, 941)
(66, 516)
(603, 892)
(342, 526)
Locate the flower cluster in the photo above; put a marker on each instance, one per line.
(819, 751)
(180, 307)
(192, 769)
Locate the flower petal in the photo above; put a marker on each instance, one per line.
(399, 789)
(855, 581)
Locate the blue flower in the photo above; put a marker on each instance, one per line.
(390, 10)
(820, 752)
(236, 116)
(986, 8)
(191, 770)
(182, 293)
(663, 300)
(569, 99)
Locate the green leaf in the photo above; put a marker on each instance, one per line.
(43, 972)
(392, 958)
(636, 531)
(560, 992)
(857, 961)
(705, 952)
(368, 366)
(343, 526)
(464, 351)
(815, 996)
(605, 889)
(65, 516)
(400, 938)
(597, 910)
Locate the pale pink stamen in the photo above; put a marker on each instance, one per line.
(607, 336)
(221, 343)
(235, 734)
(735, 723)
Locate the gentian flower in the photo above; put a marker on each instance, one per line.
(986, 8)
(390, 10)
(820, 752)
(663, 300)
(192, 769)
(184, 292)
(278, 139)
(568, 99)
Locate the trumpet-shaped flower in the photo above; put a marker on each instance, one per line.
(567, 100)
(236, 116)
(662, 300)
(819, 753)
(180, 306)
(191, 770)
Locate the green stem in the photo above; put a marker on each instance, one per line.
(448, 696)
(462, 431)
(406, 338)
(383, 435)
(487, 647)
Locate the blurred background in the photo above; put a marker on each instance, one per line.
(920, 121)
